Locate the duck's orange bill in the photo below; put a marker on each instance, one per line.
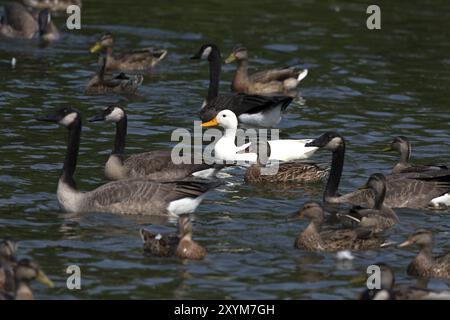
(211, 123)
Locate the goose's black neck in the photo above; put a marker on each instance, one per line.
(121, 134)
(215, 65)
(70, 161)
(337, 165)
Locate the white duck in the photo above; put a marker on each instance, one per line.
(225, 148)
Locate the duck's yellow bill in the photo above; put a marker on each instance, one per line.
(42, 278)
(211, 123)
(405, 244)
(365, 186)
(387, 149)
(96, 47)
(230, 58)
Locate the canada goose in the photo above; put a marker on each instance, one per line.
(21, 23)
(225, 148)
(273, 81)
(154, 165)
(401, 191)
(424, 264)
(8, 249)
(256, 110)
(387, 291)
(170, 244)
(133, 196)
(314, 239)
(121, 83)
(380, 217)
(402, 145)
(25, 272)
(286, 172)
(53, 5)
(136, 60)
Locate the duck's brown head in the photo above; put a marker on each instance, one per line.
(239, 53)
(105, 41)
(422, 237)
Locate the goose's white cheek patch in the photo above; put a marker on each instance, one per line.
(334, 143)
(69, 119)
(206, 52)
(116, 115)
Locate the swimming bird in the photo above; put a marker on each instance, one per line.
(225, 148)
(169, 244)
(21, 23)
(314, 239)
(274, 81)
(131, 196)
(253, 110)
(121, 83)
(25, 272)
(136, 60)
(401, 191)
(53, 5)
(388, 291)
(8, 249)
(378, 218)
(154, 165)
(424, 264)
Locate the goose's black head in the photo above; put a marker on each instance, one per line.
(67, 117)
(207, 51)
(110, 114)
(329, 140)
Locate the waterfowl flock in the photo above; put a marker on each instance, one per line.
(153, 184)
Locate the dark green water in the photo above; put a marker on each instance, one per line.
(369, 85)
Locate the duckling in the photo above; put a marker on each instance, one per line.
(53, 5)
(120, 84)
(281, 80)
(380, 217)
(424, 264)
(25, 272)
(21, 23)
(136, 60)
(313, 239)
(402, 145)
(287, 172)
(388, 292)
(170, 244)
(8, 249)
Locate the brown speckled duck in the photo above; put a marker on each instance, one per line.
(378, 218)
(424, 264)
(99, 84)
(287, 172)
(387, 290)
(170, 244)
(25, 272)
(273, 81)
(314, 239)
(136, 60)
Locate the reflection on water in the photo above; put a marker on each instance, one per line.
(368, 85)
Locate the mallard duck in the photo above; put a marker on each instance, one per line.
(378, 218)
(402, 145)
(225, 148)
(154, 165)
(273, 81)
(253, 110)
(401, 190)
(314, 239)
(387, 291)
(424, 264)
(20, 23)
(285, 172)
(137, 60)
(170, 244)
(119, 84)
(53, 5)
(131, 196)
(25, 272)
(8, 249)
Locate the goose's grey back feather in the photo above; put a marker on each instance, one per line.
(241, 103)
(141, 196)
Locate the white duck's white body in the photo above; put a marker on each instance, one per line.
(225, 148)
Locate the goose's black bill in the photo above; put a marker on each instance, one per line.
(98, 117)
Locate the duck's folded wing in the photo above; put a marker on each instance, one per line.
(279, 74)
